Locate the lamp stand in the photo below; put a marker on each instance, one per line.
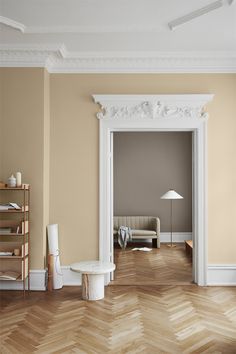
(171, 245)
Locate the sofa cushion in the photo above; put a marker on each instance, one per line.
(136, 232)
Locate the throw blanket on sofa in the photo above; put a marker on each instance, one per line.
(124, 235)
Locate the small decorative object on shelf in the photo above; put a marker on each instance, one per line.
(16, 252)
(15, 235)
(11, 182)
(18, 179)
(2, 184)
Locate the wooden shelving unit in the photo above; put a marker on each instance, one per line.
(18, 221)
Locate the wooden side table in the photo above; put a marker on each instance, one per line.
(189, 247)
(93, 277)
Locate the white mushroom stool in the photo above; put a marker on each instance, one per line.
(93, 277)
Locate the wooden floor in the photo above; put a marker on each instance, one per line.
(159, 267)
(131, 319)
(165, 313)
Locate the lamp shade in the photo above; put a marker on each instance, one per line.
(171, 194)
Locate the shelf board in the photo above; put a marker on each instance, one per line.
(18, 279)
(15, 234)
(23, 187)
(13, 257)
(22, 210)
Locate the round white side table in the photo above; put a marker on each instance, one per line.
(93, 277)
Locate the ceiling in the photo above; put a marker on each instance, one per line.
(86, 35)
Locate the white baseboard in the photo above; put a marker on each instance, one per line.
(217, 275)
(221, 274)
(165, 237)
(37, 282)
(177, 236)
(70, 278)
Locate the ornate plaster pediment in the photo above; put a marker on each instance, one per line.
(142, 107)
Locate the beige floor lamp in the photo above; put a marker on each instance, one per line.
(171, 194)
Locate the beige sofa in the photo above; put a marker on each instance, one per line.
(143, 227)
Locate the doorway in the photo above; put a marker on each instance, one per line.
(145, 166)
(155, 113)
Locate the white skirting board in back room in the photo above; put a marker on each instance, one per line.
(165, 237)
(177, 236)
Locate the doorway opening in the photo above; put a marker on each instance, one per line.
(145, 166)
(155, 113)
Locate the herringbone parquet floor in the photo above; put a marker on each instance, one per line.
(131, 319)
(158, 267)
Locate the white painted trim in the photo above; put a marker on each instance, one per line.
(12, 23)
(156, 113)
(165, 237)
(70, 278)
(57, 59)
(197, 13)
(217, 274)
(37, 282)
(221, 275)
(181, 237)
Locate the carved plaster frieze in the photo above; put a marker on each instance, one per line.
(151, 110)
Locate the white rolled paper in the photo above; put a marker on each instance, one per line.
(54, 250)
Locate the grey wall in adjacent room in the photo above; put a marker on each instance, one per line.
(146, 165)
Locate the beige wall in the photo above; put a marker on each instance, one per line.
(74, 155)
(146, 165)
(74, 166)
(23, 144)
(74, 151)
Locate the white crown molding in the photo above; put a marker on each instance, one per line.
(136, 107)
(12, 23)
(31, 55)
(56, 59)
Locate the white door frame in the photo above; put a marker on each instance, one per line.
(159, 113)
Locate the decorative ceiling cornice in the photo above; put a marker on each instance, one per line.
(56, 59)
(136, 107)
(12, 23)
